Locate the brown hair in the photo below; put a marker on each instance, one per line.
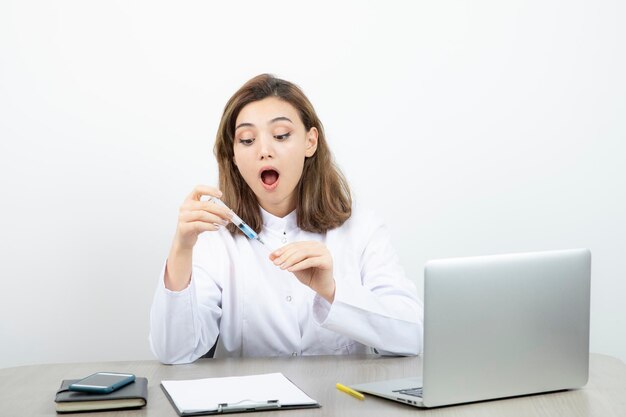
(323, 195)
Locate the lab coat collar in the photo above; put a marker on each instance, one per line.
(279, 224)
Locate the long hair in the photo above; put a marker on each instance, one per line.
(323, 195)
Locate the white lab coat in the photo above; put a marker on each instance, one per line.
(257, 309)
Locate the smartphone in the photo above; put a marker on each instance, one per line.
(102, 382)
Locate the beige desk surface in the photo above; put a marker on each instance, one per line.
(29, 390)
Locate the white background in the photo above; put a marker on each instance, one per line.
(473, 128)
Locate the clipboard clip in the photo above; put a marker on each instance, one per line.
(248, 405)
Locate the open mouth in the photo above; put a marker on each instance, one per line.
(269, 178)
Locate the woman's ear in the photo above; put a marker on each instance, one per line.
(311, 142)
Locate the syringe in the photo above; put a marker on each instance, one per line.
(247, 230)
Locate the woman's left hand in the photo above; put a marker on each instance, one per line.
(311, 263)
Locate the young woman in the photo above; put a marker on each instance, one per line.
(331, 282)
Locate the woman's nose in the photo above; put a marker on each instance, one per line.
(266, 150)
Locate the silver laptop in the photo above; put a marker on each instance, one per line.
(500, 326)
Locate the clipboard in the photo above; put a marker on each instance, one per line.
(238, 394)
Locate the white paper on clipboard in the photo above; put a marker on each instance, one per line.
(251, 392)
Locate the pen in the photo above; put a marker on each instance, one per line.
(350, 391)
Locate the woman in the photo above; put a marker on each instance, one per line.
(333, 284)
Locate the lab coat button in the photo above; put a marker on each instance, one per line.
(288, 298)
(284, 240)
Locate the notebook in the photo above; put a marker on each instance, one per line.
(133, 395)
(235, 394)
(499, 326)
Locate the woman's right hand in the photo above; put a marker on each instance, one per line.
(196, 216)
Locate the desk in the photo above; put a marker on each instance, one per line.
(29, 390)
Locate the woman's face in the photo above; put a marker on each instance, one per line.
(271, 144)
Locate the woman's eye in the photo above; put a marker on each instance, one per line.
(283, 136)
(246, 141)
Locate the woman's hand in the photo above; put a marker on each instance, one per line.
(311, 263)
(194, 217)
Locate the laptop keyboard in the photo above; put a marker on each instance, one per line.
(416, 392)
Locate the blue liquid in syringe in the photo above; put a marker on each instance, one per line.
(247, 230)
(236, 220)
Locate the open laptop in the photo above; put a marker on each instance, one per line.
(499, 326)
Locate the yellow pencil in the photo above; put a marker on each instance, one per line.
(350, 391)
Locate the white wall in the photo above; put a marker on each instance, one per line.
(473, 127)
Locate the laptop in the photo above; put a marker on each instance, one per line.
(499, 326)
